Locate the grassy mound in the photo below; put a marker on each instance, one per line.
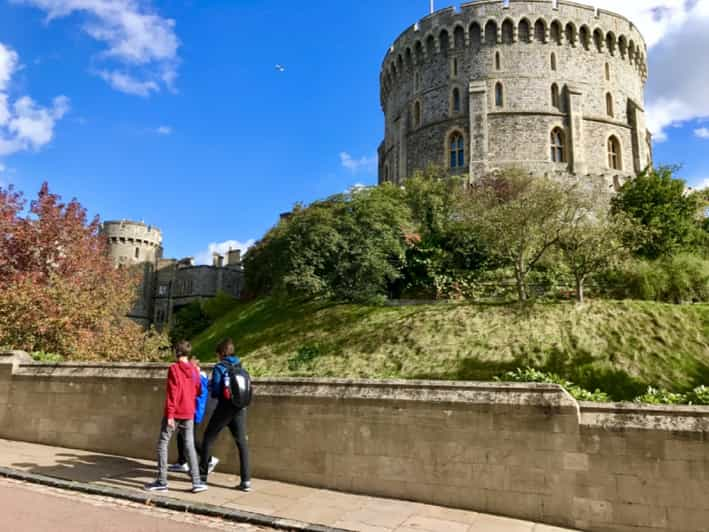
(620, 347)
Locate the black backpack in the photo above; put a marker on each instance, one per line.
(239, 384)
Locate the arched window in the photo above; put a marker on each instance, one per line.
(584, 37)
(598, 40)
(555, 96)
(457, 151)
(553, 61)
(558, 147)
(498, 62)
(555, 32)
(609, 104)
(540, 31)
(456, 100)
(507, 31)
(491, 33)
(614, 158)
(523, 31)
(475, 35)
(570, 34)
(137, 253)
(417, 114)
(608, 72)
(499, 95)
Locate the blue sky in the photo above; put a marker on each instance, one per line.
(172, 112)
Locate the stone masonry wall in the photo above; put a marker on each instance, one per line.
(596, 53)
(526, 451)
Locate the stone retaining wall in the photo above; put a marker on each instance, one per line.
(523, 450)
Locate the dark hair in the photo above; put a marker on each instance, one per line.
(225, 346)
(183, 348)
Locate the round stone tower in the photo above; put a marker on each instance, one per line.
(548, 86)
(139, 245)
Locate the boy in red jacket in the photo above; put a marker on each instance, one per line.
(183, 386)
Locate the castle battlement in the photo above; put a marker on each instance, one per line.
(544, 85)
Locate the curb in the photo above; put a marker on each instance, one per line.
(209, 510)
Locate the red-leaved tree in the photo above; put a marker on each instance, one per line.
(59, 290)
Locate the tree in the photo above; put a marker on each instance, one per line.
(659, 202)
(520, 218)
(593, 240)
(350, 246)
(59, 291)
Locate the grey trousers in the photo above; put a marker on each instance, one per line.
(186, 426)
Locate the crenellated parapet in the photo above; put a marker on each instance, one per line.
(498, 77)
(498, 23)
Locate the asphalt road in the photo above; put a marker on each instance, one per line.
(31, 508)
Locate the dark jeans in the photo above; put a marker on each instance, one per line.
(181, 451)
(226, 415)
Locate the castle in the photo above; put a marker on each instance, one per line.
(168, 284)
(551, 87)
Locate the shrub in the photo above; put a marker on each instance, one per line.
(535, 375)
(678, 279)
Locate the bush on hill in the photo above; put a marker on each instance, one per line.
(436, 238)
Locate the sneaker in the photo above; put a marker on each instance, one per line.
(199, 488)
(244, 486)
(178, 468)
(213, 461)
(155, 486)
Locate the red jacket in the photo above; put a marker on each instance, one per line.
(183, 386)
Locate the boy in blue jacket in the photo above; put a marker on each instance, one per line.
(182, 466)
(226, 415)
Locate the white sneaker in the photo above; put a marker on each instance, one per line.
(213, 461)
(178, 468)
(199, 488)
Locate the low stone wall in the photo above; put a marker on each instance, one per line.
(523, 450)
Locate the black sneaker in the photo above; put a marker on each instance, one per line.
(244, 486)
(155, 486)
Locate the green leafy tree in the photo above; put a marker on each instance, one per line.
(520, 218)
(190, 320)
(350, 246)
(660, 203)
(594, 240)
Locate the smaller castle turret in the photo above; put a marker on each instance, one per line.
(138, 245)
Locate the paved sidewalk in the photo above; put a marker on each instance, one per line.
(287, 501)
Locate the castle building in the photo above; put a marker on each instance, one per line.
(551, 87)
(168, 284)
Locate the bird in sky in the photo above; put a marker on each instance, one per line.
(280, 68)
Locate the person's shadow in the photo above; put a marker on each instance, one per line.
(93, 468)
(116, 470)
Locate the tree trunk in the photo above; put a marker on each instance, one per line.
(579, 289)
(521, 288)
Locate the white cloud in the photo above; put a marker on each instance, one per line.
(205, 256)
(701, 184)
(141, 46)
(24, 124)
(702, 133)
(126, 83)
(164, 130)
(677, 33)
(363, 164)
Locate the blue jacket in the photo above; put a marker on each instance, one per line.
(201, 401)
(216, 385)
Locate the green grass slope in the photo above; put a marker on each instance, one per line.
(620, 347)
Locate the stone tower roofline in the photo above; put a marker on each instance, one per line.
(128, 229)
(586, 27)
